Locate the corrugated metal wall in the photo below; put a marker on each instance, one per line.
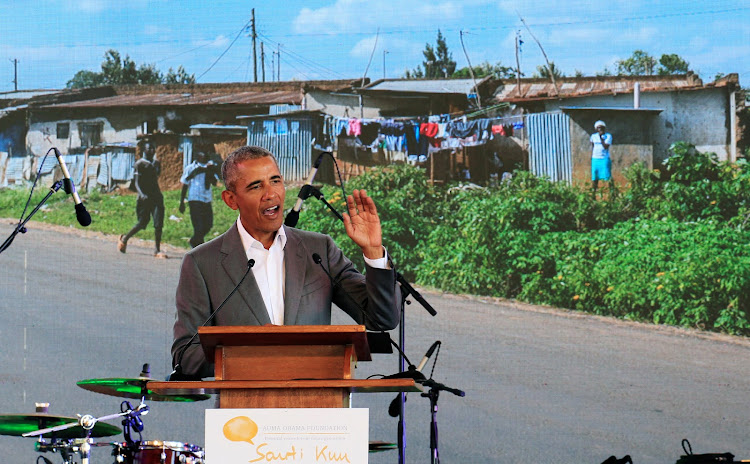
(549, 146)
(289, 139)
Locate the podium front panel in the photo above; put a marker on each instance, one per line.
(285, 398)
(284, 362)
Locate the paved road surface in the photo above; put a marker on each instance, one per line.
(541, 385)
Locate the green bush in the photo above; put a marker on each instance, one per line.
(408, 207)
(673, 251)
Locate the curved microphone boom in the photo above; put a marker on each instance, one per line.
(411, 373)
(176, 373)
(83, 216)
(304, 193)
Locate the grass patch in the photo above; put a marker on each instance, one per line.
(114, 213)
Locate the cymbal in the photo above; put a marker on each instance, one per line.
(17, 424)
(134, 388)
(380, 446)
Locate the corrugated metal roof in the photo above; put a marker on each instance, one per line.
(26, 94)
(188, 99)
(543, 89)
(446, 86)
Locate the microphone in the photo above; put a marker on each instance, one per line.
(176, 373)
(293, 216)
(83, 216)
(427, 355)
(412, 373)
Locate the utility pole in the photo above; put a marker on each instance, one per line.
(262, 62)
(471, 70)
(278, 62)
(255, 58)
(15, 74)
(519, 42)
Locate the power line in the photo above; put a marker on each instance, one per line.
(301, 59)
(225, 51)
(317, 67)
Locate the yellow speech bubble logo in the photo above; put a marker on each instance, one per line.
(241, 428)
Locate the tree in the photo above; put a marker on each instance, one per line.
(119, 71)
(179, 77)
(544, 72)
(498, 71)
(438, 61)
(672, 64)
(639, 64)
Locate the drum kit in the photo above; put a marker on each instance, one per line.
(73, 437)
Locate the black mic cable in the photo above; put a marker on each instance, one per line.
(334, 281)
(411, 373)
(177, 369)
(83, 216)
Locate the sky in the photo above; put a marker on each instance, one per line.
(348, 39)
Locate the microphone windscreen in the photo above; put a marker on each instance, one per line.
(395, 408)
(291, 218)
(83, 216)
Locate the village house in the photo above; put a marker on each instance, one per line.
(99, 135)
(645, 115)
(529, 124)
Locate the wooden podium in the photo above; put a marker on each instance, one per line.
(296, 366)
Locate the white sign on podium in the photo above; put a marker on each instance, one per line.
(300, 436)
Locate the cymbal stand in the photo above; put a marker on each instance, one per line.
(433, 394)
(87, 422)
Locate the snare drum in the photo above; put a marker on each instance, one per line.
(158, 452)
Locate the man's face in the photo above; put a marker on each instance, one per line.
(201, 157)
(148, 151)
(259, 196)
(601, 129)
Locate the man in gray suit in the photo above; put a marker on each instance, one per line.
(285, 286)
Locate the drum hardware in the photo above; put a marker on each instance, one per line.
(19, 425)
(73, 436)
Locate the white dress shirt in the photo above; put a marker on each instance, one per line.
(269, 269)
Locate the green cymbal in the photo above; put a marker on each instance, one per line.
(134, 388)
(17, 424)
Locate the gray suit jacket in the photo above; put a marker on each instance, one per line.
(210, 272)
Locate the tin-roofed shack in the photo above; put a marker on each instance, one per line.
(124, 115)
(643, 122)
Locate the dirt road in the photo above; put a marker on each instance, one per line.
(542, 385)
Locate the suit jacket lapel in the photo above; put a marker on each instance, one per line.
(294, 266)
(234, 262)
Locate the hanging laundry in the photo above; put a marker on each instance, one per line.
(368, 132)
(441, 130)
(461, 129)
(355, 127)
(498, 129)
(483, 126)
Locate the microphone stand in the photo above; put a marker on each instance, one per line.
(406, 291)
(433, 394)
(20, 227)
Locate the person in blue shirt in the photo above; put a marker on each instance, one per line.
(197, 180)
(601, 164)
